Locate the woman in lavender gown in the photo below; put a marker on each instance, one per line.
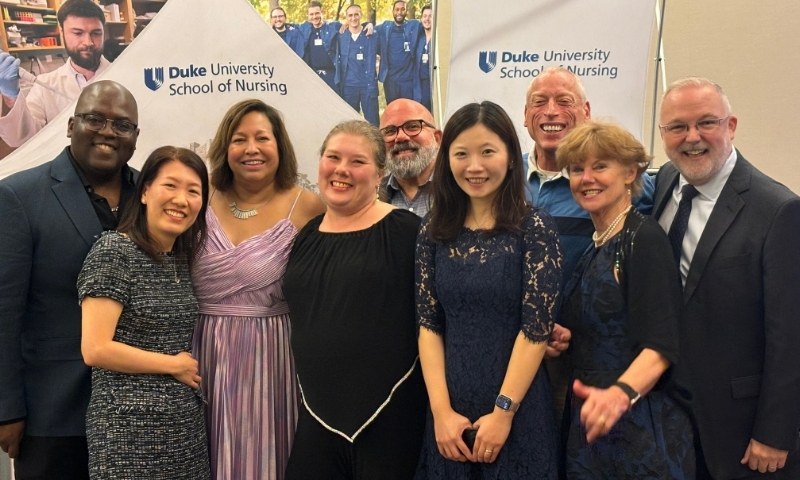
(242, 339)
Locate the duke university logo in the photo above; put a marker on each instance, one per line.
(154, 78)
(487, 61)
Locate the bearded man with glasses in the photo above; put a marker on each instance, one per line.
(25, 112)
(412, 143)
(52, 214)
(735, 234)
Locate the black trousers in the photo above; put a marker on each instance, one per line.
(388, 449)
(51, 458)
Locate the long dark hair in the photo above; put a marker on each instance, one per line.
(134, 220)
(449, 209)
(221, 173)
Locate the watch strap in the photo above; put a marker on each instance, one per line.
(632, 394)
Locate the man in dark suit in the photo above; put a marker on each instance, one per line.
(735, 233)
(52, 215)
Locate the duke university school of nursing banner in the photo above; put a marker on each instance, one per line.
(498, 48)
(186, 69)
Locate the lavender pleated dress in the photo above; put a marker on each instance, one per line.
(242, 345)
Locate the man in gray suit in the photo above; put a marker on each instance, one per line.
(735, 234)
(52, 214)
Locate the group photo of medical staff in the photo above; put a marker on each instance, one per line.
(368, 63)
(444, 303)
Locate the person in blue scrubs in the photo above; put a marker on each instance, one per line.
(423, 60)
(290, 35)
(320, 44)
(398, 41)
(356, 73)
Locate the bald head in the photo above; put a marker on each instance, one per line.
(105, 91)
(410, 156)
(104, 130)
(402, 110)
(555, 103)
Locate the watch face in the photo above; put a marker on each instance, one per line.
(503, 402)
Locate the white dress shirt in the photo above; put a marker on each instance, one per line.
(702, 205)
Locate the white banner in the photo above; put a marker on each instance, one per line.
(186, 69)
(498, 48)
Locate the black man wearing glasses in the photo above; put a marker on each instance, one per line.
(52, 214)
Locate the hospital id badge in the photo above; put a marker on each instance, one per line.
(359, 56)
(406, 46)
(318, 41)
(424, 58)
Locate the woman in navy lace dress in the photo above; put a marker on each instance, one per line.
(488, 275)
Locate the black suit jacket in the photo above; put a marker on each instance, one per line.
(48, 227)
(740, 327)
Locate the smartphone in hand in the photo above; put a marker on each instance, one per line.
(468, 435)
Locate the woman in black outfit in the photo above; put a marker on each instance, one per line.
(350, 287)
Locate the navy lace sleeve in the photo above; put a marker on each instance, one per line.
(541, 275)
(105, 271)
(429, 311)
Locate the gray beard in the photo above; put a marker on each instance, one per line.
(414, 165)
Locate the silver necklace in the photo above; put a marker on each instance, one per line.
(171, 256)
(601, 238)
(245, 214)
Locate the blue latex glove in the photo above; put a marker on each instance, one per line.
(9, 75)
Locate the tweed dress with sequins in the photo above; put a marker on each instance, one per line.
(144, 426)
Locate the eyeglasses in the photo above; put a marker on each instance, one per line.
(95, 123)
(278, 16)
(705, 126)
(411, 128)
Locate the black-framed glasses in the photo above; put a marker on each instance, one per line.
(95, 123)
(411, 128)
(705, 126)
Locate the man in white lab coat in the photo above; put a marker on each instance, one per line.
(82, 23)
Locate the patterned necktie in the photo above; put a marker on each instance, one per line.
(681, 221)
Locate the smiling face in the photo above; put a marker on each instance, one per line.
(399, 12)
(253, 152)
(427, 18)
(348, 175)
(315, 16)
(83, 40)
(479, 162)
(278, 19)
(172, 202)
(554, 106)
(697, 155)
(353, 17)
(409, 156)
(101, 155)
(601, 188)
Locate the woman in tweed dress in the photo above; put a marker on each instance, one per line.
(145, 414)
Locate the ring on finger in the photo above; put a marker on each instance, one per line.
(488, 452)
(601, 420)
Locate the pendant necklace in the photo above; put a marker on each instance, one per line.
(600, 239)
(245, 214)
(171, 259)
